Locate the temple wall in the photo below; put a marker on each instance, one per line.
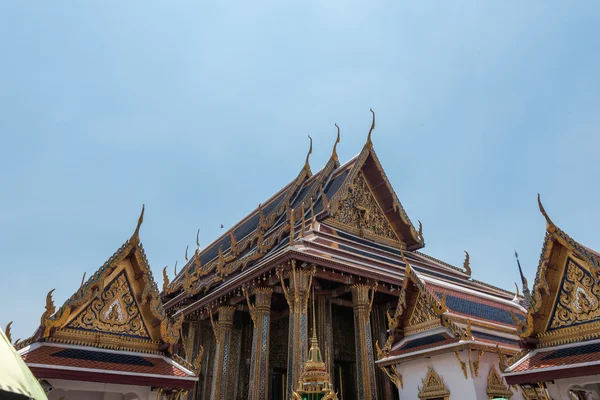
(449, 369)
(560, 389)
(81, 390)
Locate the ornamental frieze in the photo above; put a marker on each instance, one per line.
(114, 311)
(578, 299)
(361, 212)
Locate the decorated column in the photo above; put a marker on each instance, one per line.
(223, 333)
(325, 329)
(297, 294)
(259, 362)
(365, 362)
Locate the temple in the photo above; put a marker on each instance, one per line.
(389, 321)
(560, 358)
(112, 339)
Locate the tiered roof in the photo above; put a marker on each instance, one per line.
(347, 217)
(113, 329)
(562, 328)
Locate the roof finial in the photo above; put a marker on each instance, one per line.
(165, 280)
(334, 153)
(369, 142)
(7, 332)
(516, 292)
(175, 269)
(198, 239)
(136, 234)
(549, 224)
(306, 164)
(467, 263)
(526, 292)
(82, 279)
(186, 256)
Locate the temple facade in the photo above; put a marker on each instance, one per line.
(389, 321)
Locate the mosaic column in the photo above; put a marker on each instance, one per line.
(223, 330)
(325, 329)
(297, 295)
(365, 362)
(259, 362)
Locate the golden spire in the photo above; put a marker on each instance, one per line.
(306, 164)
(467, 263)
(549, 224)
(369, 142)
(136, 233)
(334, 153)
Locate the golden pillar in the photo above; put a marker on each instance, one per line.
(260, 313)
(325, 331)
(296, 294)
(365, 361)
(223, 333)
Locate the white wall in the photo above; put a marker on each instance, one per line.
(81, 390)
(560, 388)
(448, 368)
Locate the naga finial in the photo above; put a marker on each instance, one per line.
(549, 224)
(369, 142)
(82, 279)
(306, 164)
(7, 332)
(186, 250)
(467, 263)
(420, 233)
(175, 269)
(136, 233)
(334, 153)
(49, 307)
(165, 280)
(516, 290)
(198, 238)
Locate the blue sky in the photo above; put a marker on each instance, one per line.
(201, 110)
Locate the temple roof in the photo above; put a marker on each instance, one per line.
(565, 304)
(118, 309)
(323, 196)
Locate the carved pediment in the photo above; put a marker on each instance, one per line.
(495, 385)
(578, 299)
(361, 214)
(422, 311)
(114, 311)
(433, 387)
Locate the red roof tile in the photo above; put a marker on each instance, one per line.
(113, 361)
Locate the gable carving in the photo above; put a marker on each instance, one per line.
(495, 385)
(433, 387)
(361, 213)
(114, 311)
(578, 299)
(422, 312)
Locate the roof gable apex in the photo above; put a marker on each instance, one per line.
(564, 298)
(367, 168)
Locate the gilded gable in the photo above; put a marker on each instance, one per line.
(114, 311)
(578, 299)
(361, 214)
(422, 312)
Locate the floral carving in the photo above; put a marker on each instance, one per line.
(359, 210)
(578, 298)
(114, 311)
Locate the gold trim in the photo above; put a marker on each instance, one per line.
(462, 364)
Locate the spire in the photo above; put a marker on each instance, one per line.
(369, 142)
(526, 292)
(136, 234)
(334, 153)
(306, 163)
